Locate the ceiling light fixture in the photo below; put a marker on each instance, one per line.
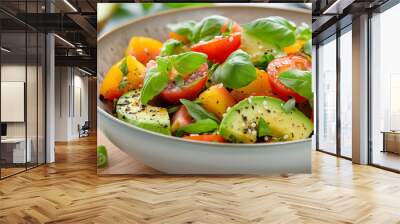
(70, 5)
(64, 40)
(84, 71)
(5, 50)
(337, 7)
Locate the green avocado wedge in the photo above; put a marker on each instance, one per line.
(240, 123)
(130, 110)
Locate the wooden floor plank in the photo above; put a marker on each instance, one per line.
(69, 191)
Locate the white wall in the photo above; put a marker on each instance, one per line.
(34, 125)
(71, 94)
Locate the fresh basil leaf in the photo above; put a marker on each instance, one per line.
(188, 62)
(147, 6)
(169, 47)
(123, 83)
(274, 30)
(123, 67)
(299, 81)
(237, 71)
(263, 128)
(208, 28)
(180, 4)
(304, 32)
(198, 127)
(307, 48)
(179, 81)
(154, 83)
(289, 105)
(264, 61)
(164, 64)
(183, 28)
(173, 109)
(228, 31)
(197, 111)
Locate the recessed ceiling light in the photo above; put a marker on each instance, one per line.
(70, 5)
(337, 7)
(5, 50)
(64, 40)
(84, 71)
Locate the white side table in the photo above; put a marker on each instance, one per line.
(19, 155)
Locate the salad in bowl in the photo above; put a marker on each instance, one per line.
(216, 80)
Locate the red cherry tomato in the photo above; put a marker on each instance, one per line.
(205, 138)
(219, 48)
(235, 27)
(283, 64)
(180, 119)
(191, 88)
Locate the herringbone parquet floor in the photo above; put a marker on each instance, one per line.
(69, 191)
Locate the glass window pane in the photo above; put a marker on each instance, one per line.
(385, 84)
(346, 94)
(13, 85)
(31, 98)
(327, 96)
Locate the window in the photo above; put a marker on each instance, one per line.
(385, 89)
(346, 92)
(327, 96)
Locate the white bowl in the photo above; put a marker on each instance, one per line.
(178, 156)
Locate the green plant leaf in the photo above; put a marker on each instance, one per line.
(155, 81)
(173, 109)
(184, 28)
(237, 71)
(174, 5)
(169, 47)
(198, 127)
(102, 157)
(188, 62)
(299, 81)
(197, 111)
(274, 30)
(147, 6)
(179, 81)
(263, 128)
(264, 61)
(208, 28)
(289, 105)
(123, 67)
(307, 48)
(303, 32)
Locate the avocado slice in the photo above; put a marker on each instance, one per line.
(241, 121)
(130, 110)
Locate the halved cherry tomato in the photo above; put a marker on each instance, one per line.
(205, 138)
(219, 48)
(191, 88)
(235, 27)
(283, 64)
(180, 119)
